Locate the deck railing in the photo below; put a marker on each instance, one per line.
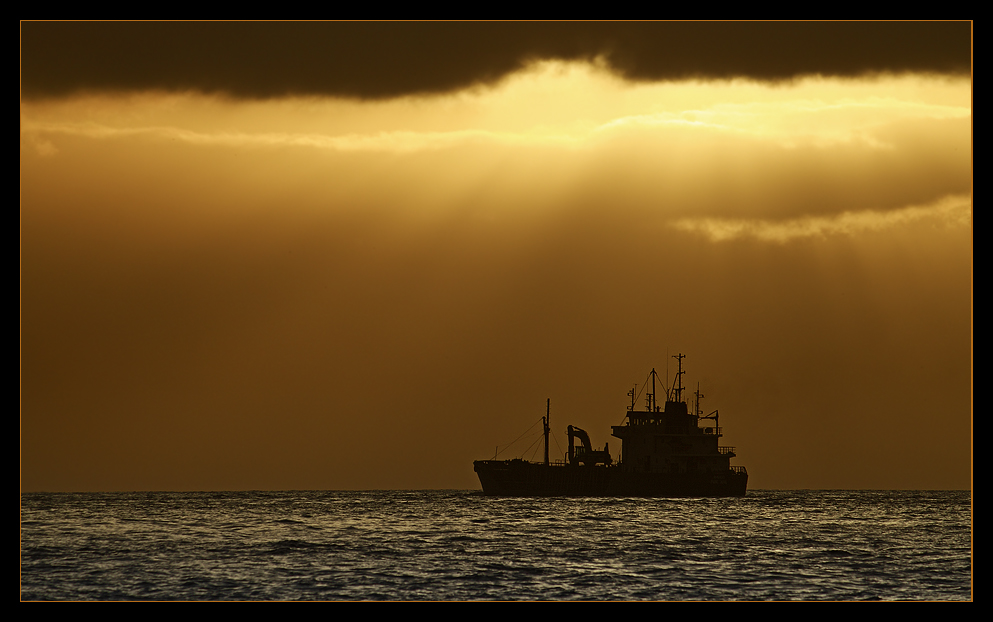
(725, 450)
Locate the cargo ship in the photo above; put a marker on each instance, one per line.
(666, 451)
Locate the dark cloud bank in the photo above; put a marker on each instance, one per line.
(378, 60)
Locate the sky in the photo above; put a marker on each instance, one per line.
(354, 256)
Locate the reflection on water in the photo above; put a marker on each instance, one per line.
(459, 545)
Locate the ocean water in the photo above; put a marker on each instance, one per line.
(460, 545)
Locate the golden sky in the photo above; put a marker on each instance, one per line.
(229, 288)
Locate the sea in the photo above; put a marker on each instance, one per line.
(452, 545)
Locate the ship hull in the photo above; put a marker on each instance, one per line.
(518, 478)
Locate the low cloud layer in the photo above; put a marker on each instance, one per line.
(381, 60)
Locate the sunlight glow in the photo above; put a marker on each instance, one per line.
(727, 158)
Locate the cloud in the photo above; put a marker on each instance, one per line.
(373, 60)
(721, 154)
(383, 142)
(948, 211)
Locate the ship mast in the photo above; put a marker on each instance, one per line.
(679, 376)
(650, 402)
(654, 405)
(546, 419)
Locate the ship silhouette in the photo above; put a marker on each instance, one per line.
(665, 452)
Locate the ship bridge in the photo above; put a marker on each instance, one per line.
(669, 439)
